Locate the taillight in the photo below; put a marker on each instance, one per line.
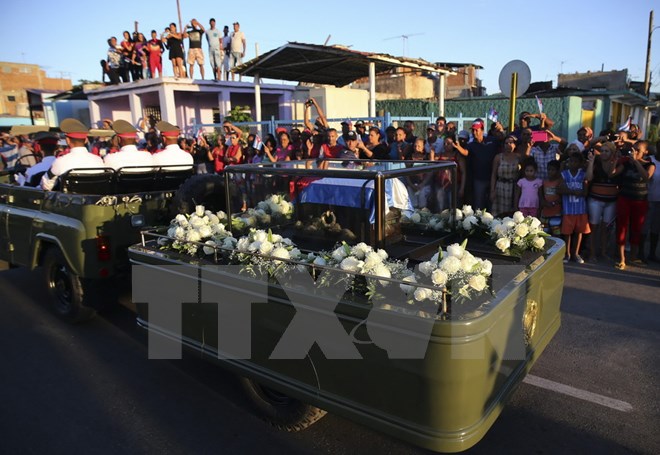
(103, 248)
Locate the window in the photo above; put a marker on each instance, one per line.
(6, 69)
(216, 115)
(11, 98)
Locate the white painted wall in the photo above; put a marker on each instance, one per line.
(341, 103)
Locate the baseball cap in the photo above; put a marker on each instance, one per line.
(431, 126)
(464, 134)
(477, 124)
(351, 136)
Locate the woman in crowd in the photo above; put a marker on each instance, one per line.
(138, 62)
(443, 182)
(375, 149)
(126, 56)
(505, 174)
(174, 42)
(632, 202)
(603, 191)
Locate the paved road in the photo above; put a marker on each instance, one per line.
(90, 388)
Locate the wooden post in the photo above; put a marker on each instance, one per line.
(512, 107)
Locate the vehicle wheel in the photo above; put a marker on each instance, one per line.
(207, 190)
(279, 410)
(65, 288)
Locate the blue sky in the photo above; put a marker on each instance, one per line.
(68, 38)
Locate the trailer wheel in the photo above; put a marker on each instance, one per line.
(207, 190)
(283, 412)
(66, 288)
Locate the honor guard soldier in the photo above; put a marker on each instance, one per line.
(128, 155)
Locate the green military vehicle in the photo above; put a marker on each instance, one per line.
(80, 233)
(430, 363)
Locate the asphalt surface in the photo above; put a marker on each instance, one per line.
(91, 389)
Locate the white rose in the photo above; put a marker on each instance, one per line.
(538, 242)
(487, 218)
(218, 228)
(468, 262)
(287, 241)
(518, 217)
(196, 222)
(416, 218)
(518, 241)
(295, 254)
(360, 250)
(259, 236)
(193, 236)
(477, 282)
(200, 211)
(222, 215)
(281, 253)
(503, 244)
(426, 267)
(371, 260)
(263, 205)
(208, 247)
(486, 267)
(383, 254)
(508, 223)
(205, 231)
(422, 294)
(339, 254)
(469, 222)
(179, 233)
(407, 288)
(350, 264)
(467, 210)
(439, 277)
(265, 248)
(535, 223)
(319, 261)
(229, 243)
(435, 258)
(276, 238)
(455, 250)
(522, 230)
(213, 220)
(382, 271)
(181, 219)
(171, 231)
(254, 246)
(450, 265)
(243, 244)
(459, 215)
(500, 230)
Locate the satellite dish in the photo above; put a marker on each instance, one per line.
(524, 77)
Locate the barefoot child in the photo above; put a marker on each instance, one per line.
(527, 190)
(574, 221)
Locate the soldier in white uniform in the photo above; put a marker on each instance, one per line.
(172, 153)
(78, 157)
(128, 155)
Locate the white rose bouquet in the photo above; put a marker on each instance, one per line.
(203, 229)
(514, 235)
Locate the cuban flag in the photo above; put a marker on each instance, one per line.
(539, 104)
(257, 144)
(626, 125)
(200, 132)
(492, 115)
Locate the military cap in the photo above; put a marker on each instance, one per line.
(46, 137)
(167, 129)
(124, 129)
(74, 128)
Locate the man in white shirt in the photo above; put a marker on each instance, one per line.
(172, 153)
(216, 53)
(78, 157)
(226, 50)
(48, 143)
(128, 155)
(238, 45)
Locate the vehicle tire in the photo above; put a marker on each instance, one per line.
(207, 190)
(65, 288)
(281, 411)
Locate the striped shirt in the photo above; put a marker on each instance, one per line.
(571, 204)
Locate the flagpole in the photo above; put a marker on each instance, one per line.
(178, 10)
(512, 107)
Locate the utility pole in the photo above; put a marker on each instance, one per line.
(647, 74)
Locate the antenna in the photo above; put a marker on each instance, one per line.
(404, 39)
(327, 40)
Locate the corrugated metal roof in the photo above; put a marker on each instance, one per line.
(331, 65)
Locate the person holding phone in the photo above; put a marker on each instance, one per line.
(546, 151)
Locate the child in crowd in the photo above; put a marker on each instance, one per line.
(574, 221)
(419, 186)
(551, 200)
(528, 189)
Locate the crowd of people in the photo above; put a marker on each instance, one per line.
(137, 57)
(594, 185)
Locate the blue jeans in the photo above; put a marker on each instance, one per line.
(481, 195)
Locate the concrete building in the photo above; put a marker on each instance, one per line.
(16, 78)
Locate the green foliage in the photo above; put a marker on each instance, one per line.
(239, 114)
